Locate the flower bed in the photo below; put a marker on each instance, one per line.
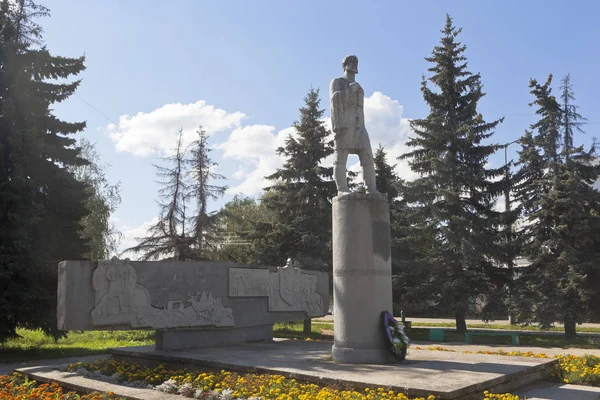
(579, 370)
(229, 385)
(19, 387)
(582, 370)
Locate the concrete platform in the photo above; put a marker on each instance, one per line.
(443, 374)
(555, 391)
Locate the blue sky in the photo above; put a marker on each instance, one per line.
(242, 68)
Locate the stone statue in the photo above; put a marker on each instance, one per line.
(348, 123)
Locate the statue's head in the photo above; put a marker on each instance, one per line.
(350, 63)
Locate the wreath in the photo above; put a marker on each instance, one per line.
(394, 335)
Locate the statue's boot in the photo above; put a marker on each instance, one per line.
(369, 177)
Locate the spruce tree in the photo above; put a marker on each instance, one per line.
(300, 197)
(561, 233)
(41, 202)
(406, 274)
(385, 178)
(572, 121)
(169, 236)
(454, 196)
(202, 189)
(181, 231)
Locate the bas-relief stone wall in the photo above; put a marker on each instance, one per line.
(288, 289)
(120, 300)
(124, 294)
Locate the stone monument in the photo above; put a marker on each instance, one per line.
(190, 304)
(362, 266)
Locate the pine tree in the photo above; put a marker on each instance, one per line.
(41, 202)
(561, 236)
(453, 198)
(300, 198)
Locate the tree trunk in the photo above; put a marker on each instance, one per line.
(570, 327)
(461, 323)
(307, 326)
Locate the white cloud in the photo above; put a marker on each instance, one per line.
(130, 233)
(386, 124)
(144, 134)
(255, 146)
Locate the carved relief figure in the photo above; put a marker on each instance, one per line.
(210, 308)
(248, 282)
(290, 287)
(120, 300)
(348, 123)
(292, 290)
(313, 303)
(118, 296)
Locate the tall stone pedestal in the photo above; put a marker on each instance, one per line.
(362, 277)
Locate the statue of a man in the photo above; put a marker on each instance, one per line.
(348, 122)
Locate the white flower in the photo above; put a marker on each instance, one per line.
(169, 386)
(198, 393)
(186, 390)
(227, 394)
(213, 395)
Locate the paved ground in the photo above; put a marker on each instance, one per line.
(444, 374)
(553, 391)
(482, 364)
(7, 369)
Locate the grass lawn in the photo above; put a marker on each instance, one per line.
(33, 345)
(294, 330)
(422, 334)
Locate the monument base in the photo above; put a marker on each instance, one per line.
(177, 339)
(361, 356)
(362, 277)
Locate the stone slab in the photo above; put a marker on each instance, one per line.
(176, 339)
(446, 375)
(74, 382)
(556, 391)
(123, 294)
